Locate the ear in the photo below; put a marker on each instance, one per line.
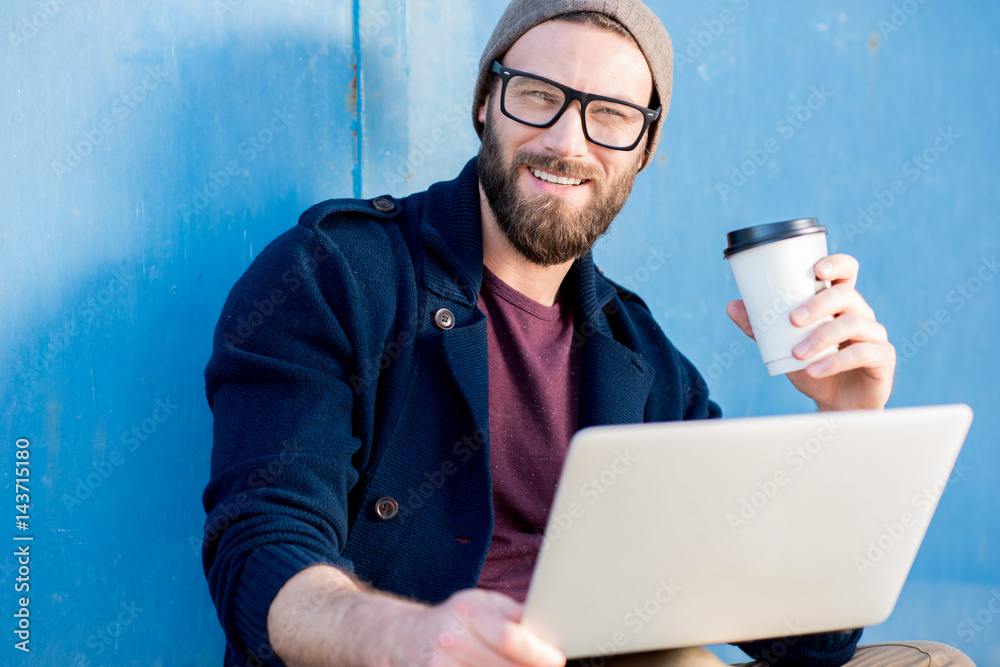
(643, 153)
(484, 107)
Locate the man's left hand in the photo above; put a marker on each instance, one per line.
(859, 376)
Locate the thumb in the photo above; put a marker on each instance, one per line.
(505, 606)
(738, 313)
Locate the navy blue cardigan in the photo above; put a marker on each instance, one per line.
(332, 387)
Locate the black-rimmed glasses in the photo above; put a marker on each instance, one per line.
(539, 102)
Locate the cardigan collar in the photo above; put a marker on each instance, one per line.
(615, 381)
(450, 218)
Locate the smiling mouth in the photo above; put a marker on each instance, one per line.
(555, 180)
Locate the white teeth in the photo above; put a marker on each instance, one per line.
(560, 180)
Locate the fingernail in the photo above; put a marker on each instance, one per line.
(800, 314)
(554, 656)
(824, 267)
(819, 369)
(801, 350)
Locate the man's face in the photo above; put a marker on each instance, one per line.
(551, 223)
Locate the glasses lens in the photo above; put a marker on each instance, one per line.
(613, 124)
(536, 102)
(532, 101)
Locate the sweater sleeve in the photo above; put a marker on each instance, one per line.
(828, 649)
(278, 385)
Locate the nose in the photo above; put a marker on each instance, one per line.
(566, 138)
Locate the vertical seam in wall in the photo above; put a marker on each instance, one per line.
(357, 126)
(406, 76)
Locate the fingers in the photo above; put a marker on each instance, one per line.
(494, 603)
(842, 272)
(520, 645)
(877, 359)
(833, 302)
(851, 328)
(515, 642)
(862, 341)
(830, 302)
(738, 313)
(838, 269)
(494, 636)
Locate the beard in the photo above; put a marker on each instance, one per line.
(545, 229)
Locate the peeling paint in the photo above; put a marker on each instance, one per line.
(352, 96)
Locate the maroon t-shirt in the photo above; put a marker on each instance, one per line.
(534, 410)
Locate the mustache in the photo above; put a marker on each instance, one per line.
(571, 168)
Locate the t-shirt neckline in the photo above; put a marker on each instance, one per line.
(502, 290)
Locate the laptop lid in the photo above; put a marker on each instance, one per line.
(693, 533)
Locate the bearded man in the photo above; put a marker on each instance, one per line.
(390, 432)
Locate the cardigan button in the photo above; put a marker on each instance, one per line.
(444, 319)
(384, 205)
(386, 508)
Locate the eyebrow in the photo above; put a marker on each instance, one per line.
(624, 98)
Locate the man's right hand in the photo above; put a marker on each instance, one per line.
(322, 617)
(472, 627)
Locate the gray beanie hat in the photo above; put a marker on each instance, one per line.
(648, 31)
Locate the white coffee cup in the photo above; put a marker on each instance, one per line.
(773, 265)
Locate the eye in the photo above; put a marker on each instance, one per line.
(537, 96)
(612, 112)
(540, 95)
(528, 90)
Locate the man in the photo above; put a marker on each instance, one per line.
(390, 429)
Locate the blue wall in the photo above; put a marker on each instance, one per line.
(150, 152)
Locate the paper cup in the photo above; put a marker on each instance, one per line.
(773, 265)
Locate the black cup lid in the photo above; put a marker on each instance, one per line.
(744, 239)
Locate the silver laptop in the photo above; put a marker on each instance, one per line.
(695, 533)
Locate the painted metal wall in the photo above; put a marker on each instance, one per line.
(150, 151)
